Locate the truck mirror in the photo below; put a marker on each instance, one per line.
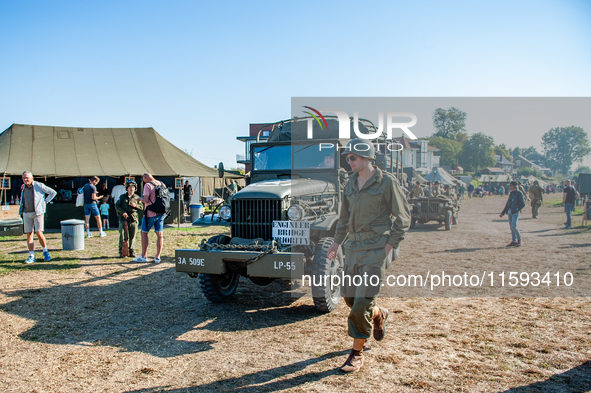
(221, 169)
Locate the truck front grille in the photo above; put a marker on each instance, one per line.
(431, 207)
(253, 218)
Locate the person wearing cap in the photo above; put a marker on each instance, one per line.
(536, 194)
(513, 207)
(374, 219)
(127, 211)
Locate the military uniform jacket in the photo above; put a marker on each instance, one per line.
(379, 208)
(416, 192)
(449, 194)
(122, 206)
(536, 192)
(436, 191)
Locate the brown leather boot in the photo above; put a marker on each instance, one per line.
(379, 324)
(353, 362)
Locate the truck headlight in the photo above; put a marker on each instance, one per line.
(419, 204)
(225, 212)
(295, 213)
(441, 205)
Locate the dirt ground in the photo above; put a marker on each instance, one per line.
(87, 321)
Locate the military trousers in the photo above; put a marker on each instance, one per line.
(132, 230)
(363, 276)
(535, 206)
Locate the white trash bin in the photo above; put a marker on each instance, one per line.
(72, 235)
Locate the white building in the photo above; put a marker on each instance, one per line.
(418, 154)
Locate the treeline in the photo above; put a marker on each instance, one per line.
(563, 146)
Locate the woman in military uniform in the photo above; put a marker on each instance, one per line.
(127, 207)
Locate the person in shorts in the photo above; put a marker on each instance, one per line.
(90, 206)
(104, 209)
(151, 219)
(32, 207)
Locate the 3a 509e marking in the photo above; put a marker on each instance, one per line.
(192, 261)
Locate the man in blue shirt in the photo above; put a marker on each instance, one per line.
(90, 206)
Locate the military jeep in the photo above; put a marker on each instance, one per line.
(441, 209)
(283, 222)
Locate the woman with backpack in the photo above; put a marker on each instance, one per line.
(156, 201)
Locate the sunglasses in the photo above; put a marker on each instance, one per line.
(351, 158)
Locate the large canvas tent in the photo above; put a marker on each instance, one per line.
(443, 176)
(72, 152)
(413, 175)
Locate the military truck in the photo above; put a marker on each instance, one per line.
(283, 222)
(441, 209)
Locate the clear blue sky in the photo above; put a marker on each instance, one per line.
(200, 72)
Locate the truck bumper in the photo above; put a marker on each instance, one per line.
(285, 265)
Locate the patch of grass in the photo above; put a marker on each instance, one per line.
(557, 203)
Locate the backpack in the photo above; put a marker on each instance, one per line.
(161, 204)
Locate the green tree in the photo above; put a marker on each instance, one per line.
(449, 149)
(477, 152)
(502, 150)
(563, 146)
(524, 171)
(450, 124)
(516, 152)
(532, 154)
(583, 169)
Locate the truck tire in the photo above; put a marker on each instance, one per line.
(448, 220)
(219, 288)
(326, 299)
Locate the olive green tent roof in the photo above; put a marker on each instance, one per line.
(71, 152)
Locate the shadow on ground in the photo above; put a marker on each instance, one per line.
(262, 381)
(576, 379)
(576, 245)
(138, 310)
(459, 250)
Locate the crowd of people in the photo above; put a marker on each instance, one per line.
(516, 203)
(519, 195)
(35, 196)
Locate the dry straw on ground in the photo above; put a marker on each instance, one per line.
(88, 321)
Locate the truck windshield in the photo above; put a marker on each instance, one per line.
(311, 156)
(279, 157)
(269, 158)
